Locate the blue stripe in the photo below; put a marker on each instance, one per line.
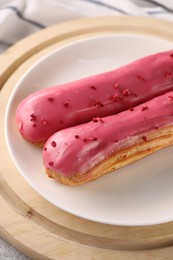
(20, 15)
(160, 5)
(107, 6)
(156, 12)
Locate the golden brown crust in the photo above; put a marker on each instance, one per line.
(155, 140)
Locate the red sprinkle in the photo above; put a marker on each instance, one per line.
(126, 92)
(50, 163)
(93, 87)
(135, 95)
(92, 139)
(115, 97)
(168, 74)
(131, 108)
(170, 98)
(51, 99)
(116, 85)
(53, 144)
(95, 119)
(100, 104)
(44, 122)
(156, 127)
(85, 140)
(140, 77)
(97, 104)
(171, 55)
(144, 108)
(144, 138)
(33, 117)
(116, 141)
(66, 104)
(77, 136)
(34, 125)
(45, 148)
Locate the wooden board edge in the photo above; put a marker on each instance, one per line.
(18, 64)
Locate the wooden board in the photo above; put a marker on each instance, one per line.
(28, 221)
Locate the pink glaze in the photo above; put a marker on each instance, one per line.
(45, 112)
(80, 148)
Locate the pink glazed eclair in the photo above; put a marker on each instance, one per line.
(86, 152)
(47, 111)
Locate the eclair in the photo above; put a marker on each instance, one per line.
(83, 153)
(45, 112)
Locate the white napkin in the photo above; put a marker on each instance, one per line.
(19, 18)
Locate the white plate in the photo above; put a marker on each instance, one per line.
(139, 194)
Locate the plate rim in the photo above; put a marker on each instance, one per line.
(16, 164)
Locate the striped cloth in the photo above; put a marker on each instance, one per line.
(19, 18)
